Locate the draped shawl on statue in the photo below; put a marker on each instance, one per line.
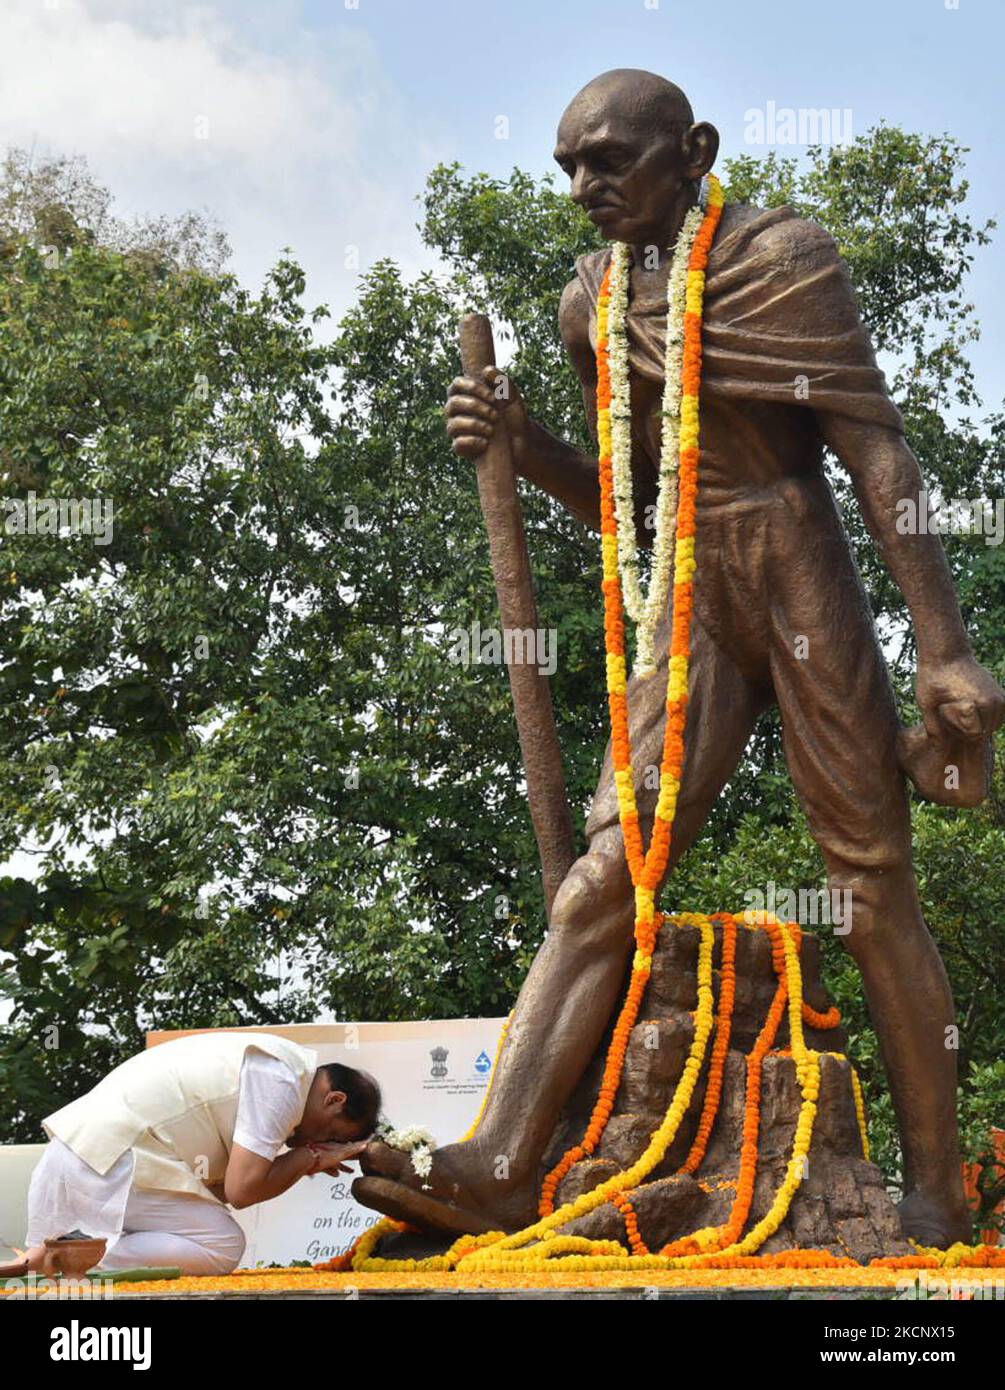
(779, 305)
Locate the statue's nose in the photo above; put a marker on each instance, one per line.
(584, 186)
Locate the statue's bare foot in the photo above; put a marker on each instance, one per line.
(461, 1195)
(379, 1159)
(931, 1221)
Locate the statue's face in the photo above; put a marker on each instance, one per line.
(626, 174)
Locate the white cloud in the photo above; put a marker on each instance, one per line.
(174, 107)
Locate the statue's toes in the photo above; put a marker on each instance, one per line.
(380, 1160)
(419, 1211)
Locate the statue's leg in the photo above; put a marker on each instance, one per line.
(839, 728)
(573, 984)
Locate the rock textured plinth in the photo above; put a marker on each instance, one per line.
(841, 1206)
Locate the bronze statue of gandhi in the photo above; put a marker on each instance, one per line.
(781, 617)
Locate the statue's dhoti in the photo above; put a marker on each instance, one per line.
(781, 616)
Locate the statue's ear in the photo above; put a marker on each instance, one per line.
(699, 147)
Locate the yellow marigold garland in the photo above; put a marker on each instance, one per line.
(496, 1252)
(659, 1142)
(465, 1139)
(542, 1246)
(647, 867)
(860, 1112)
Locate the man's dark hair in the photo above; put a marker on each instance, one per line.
(362, 1094)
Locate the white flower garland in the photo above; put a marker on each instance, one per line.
(621, 430)
(417, 1142)
(648, 609)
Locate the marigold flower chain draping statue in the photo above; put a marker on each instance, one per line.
(542, 1246)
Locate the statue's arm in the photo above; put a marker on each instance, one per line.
(475, 407)
(952, 687)
(562, 470)
(559, 468)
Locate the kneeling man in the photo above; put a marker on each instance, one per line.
(148, 1158)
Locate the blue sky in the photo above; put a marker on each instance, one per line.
(915, 63)
(324, 116)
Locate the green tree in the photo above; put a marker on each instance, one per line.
(185, 402)
(237, 727)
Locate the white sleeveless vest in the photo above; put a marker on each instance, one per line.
(175, 1106)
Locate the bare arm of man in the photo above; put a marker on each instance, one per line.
(953, 689)
(251, 1179)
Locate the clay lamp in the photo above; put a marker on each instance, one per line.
(72, 1255)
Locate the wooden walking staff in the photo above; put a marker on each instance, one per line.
(535, 718)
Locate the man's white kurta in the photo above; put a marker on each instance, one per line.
(174, 1108)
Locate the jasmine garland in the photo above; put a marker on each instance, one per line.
(648, 609)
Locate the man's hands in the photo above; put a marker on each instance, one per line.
(250, 1178)
(474, 408)
(334, 1158)
(959, 697)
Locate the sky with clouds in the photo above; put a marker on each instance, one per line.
(313, 123)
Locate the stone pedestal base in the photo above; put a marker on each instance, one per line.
(841, 1206)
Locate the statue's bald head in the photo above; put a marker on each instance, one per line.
(644, 101)
(633, 153)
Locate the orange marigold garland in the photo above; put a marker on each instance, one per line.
(623, 1204)
(647, 867)
(543, 1247)
(713, 1088)
(723, 1027)
(730, 1231)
